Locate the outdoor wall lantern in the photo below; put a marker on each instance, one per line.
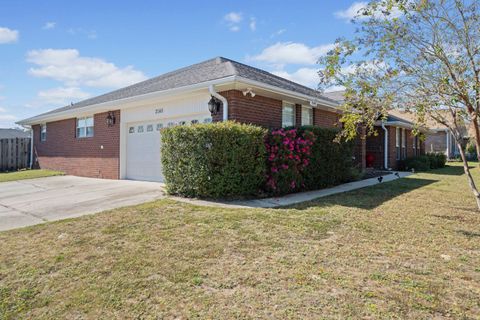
(111, 119)
(214, 105)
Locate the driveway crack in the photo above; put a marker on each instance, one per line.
(23, 212)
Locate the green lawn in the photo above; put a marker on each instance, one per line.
(27, 174)
(408, 249)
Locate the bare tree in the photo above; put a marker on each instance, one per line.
(418, 55)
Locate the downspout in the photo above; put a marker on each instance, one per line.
(447, 135)
(31, 147)
(385, 154)
(214, 93)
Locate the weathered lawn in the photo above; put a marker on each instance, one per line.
(27, 174)
(406, 249)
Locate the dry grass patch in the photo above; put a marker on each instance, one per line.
(406, 249)
(28, 174)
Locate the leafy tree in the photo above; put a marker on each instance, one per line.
(414, 55)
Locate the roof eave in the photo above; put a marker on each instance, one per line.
(106, 106)
(333, 106)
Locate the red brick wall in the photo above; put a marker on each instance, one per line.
(375, 146)
(298, 115)
(80, 156)
(325, 119)
(263, 111)
(267, 112)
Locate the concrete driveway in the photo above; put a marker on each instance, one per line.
(29, 202)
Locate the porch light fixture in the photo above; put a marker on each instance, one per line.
(214, 105)
(110, 119)
(249, 91)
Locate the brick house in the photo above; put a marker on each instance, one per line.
(394, 141)
(117, 135)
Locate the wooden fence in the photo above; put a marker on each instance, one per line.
(14, 154)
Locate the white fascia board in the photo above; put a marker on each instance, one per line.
(120, 103)
(322, 102)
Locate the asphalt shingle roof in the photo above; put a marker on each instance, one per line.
(212, 69)
(13, 133)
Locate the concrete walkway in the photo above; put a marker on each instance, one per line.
(294, 198)
(34, 201)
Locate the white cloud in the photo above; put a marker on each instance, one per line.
(62, 95)
(8, 35)
(233, 20)
(67, 66)
(7, 117)
(306, 76)
(253, 24)
(49, 25)
(355, 10)
(352, 11)
(3, 109)
(233, 17)
(294, 53)
(278, 33)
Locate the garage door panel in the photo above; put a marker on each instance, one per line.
(143, 153)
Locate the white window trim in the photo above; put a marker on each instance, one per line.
(310, 111)
(85, 127)
(397, 137)
(288, 104)
(43, 133)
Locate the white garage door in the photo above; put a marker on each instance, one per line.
(143, 147)
(143, 152)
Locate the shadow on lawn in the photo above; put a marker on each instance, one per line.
(450, 170)
(370, 197)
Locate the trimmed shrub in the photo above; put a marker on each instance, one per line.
(425, 162)
(331, 162)
(217, 160)
(306, 158)
(437, 160)
(419, 163)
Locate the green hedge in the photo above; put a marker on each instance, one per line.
(425, 162)
(217, 160)
(331, 162)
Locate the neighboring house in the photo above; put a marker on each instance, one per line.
(441, 140)
(116, 136)
(394, 141)
(13, 133)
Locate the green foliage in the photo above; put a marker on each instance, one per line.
(425, 162)
(330, 161)
(437, 160)
(217, 160)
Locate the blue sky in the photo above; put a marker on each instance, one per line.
(58, 52)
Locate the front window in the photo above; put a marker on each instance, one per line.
(404, 144)
(307, 116)
(85, 127)
(43, 132)
(288, 115)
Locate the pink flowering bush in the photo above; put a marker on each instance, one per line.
(288, 155)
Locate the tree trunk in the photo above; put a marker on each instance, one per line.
(471, 182)
(477, 137)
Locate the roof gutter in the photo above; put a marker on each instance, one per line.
(211, 89)
(313, 100)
